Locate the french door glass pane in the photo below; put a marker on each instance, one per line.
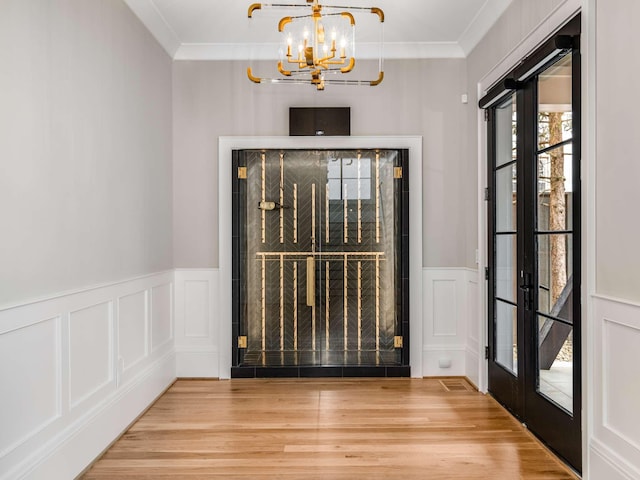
(555, 362)
(555, 275)
(506, 122)
(506, 198)
(505, 330)
(555, 189)
(506, 276)
(555, 104)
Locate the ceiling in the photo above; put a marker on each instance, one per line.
(221, 30)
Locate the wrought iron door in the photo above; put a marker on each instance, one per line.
(534, 243)
(319, 250)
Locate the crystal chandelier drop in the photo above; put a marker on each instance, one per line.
(318, 45)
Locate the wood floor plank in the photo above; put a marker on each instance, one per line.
(326, 429)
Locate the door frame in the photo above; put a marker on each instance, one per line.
(528, 43)
(223, 321)
(242, 186)
(523, 399)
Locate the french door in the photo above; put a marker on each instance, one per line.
(319, 249)
(534, 243)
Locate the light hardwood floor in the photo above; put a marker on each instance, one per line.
(326, 429)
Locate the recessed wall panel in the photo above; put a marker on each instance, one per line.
(89, 351)
(29, 369)
(472, 309)
(196, 308)
(132, 328)
(444, 308)
(621, 372)
(160, 315)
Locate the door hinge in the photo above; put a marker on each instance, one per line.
(487, 194)
(486, 353)
(397, 341)
(242, 173)
(486, 114)
(397, 172)
(242, 341)
(486, 273)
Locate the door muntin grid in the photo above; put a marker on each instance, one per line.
(332, 212)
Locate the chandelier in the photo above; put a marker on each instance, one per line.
(318, 45)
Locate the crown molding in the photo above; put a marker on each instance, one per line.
(269, 51)
(152, 19)
(486, 17)
(148, 13)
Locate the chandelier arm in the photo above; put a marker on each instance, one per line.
(310, 68)
(255, 6)
(253, 78)
(348, 68)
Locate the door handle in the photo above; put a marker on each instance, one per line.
(268, 206)
(527, 290)
(311, 282)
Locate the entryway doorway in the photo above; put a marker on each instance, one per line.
(320, 255)
(534, 230)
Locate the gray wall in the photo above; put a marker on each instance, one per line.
(85, 147)
(618, 144)
(212, 99)
(520, 18)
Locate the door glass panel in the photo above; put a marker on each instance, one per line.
(555, 362)
(506, 123)
(505, 332)
(555, 275)
(321, 258)
(506, 178)
(555, 104)
(555, 189)
(506, 276)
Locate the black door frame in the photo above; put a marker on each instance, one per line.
(239, 293)
(560, 431)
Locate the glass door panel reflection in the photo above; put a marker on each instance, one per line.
(322, 270)
(505, 237)
(554, 234)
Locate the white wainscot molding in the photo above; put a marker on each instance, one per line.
(77, 369)
(450, 331)
(197, 324)
(614, 446)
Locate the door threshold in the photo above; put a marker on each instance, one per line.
(329, 371)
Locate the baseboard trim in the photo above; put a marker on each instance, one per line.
(197, 362)
(126, 429)
(613, 461)
(81, 443)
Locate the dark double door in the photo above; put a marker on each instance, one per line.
(534, 243)
(319, 248)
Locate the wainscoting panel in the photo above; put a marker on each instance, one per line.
(133, 328)
(448, 306)
(474, 317)
(161, 328)
(30, 384)
(90, 352)
(616, 370)
(76, 371)
(445, 306)
(197, 309)
(197, 323)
